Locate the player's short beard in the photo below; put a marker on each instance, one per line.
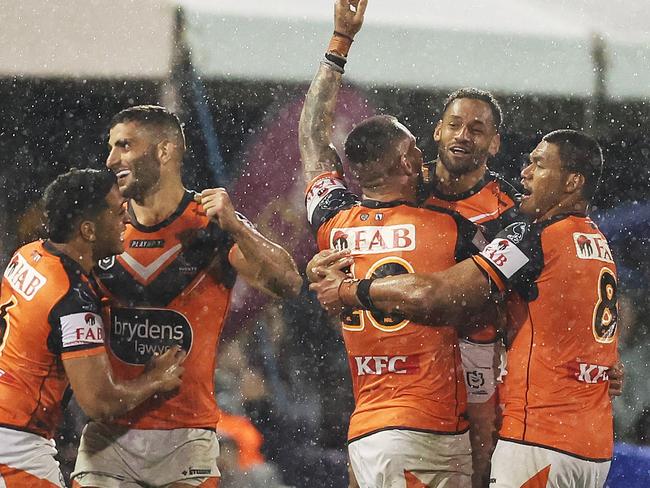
(459, 168)
(145, 175)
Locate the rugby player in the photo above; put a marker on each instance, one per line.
(562, 318)
(51, 335)
(172, 284)
(408, 426)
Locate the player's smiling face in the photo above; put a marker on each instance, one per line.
(133, 158)
(544, 181)
(466, 136)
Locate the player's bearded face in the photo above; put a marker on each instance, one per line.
(466, 136)
(144, 176)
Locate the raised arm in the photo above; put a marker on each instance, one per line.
(262, 263)
(315, 129)
(101, 396)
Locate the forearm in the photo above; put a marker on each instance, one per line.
(265, 264)
(119, 397)
(315, 128)
(451, 297)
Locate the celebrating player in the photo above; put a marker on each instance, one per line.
(562, 318)
(408, 425)
(171, 285)
(51, 334)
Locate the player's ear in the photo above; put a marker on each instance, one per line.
(164, 149)
(437, 130)
(495, 144)
(88, 230)
(574, 182)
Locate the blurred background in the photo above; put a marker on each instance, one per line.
(237, 73)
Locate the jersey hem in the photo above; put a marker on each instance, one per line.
(561, 451)
(395, 427)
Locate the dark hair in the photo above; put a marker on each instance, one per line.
(579, 153)
(372, 139)
(72, 196)
(477, 94)
(153, 115)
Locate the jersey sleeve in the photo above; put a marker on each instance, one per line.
(326, 196)
(77, 325)
(514, 259)
(470, 238)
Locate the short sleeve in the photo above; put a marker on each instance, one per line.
(514, 259)
(326, 196)
(77, 325)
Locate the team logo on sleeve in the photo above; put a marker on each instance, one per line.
(592, 246)
(23, 278)
(320, 191)
(374, 239)
(79, 329)
(137, 334)
(505, 256)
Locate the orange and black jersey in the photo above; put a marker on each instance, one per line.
(491, 203)
(49, 312)
(405, 375)
(562, 333)
(171, 286)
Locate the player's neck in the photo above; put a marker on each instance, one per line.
(453, 184)
(158, 205)
(79, 251)
(570, 205)
(391, 192)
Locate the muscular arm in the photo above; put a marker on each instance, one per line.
(101, 396)
(457, 295)
(264, 264)
(315, 129)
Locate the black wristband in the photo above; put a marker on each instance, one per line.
(336, 59)
(363, 294)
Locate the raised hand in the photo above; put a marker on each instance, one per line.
(217, 206)
(348, 16)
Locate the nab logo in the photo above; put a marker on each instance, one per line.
(378, 365)
(592, 246)
(23, 278)
(374, 239)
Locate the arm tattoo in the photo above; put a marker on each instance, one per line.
(315, 130)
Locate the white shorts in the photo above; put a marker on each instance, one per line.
(112, 456)
(28, 460)
(515, 464)
(400, 458)
(482, 365)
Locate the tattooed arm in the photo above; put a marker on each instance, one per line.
(316, 149)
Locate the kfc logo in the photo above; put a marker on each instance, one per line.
(589, 373)
(378, 365)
